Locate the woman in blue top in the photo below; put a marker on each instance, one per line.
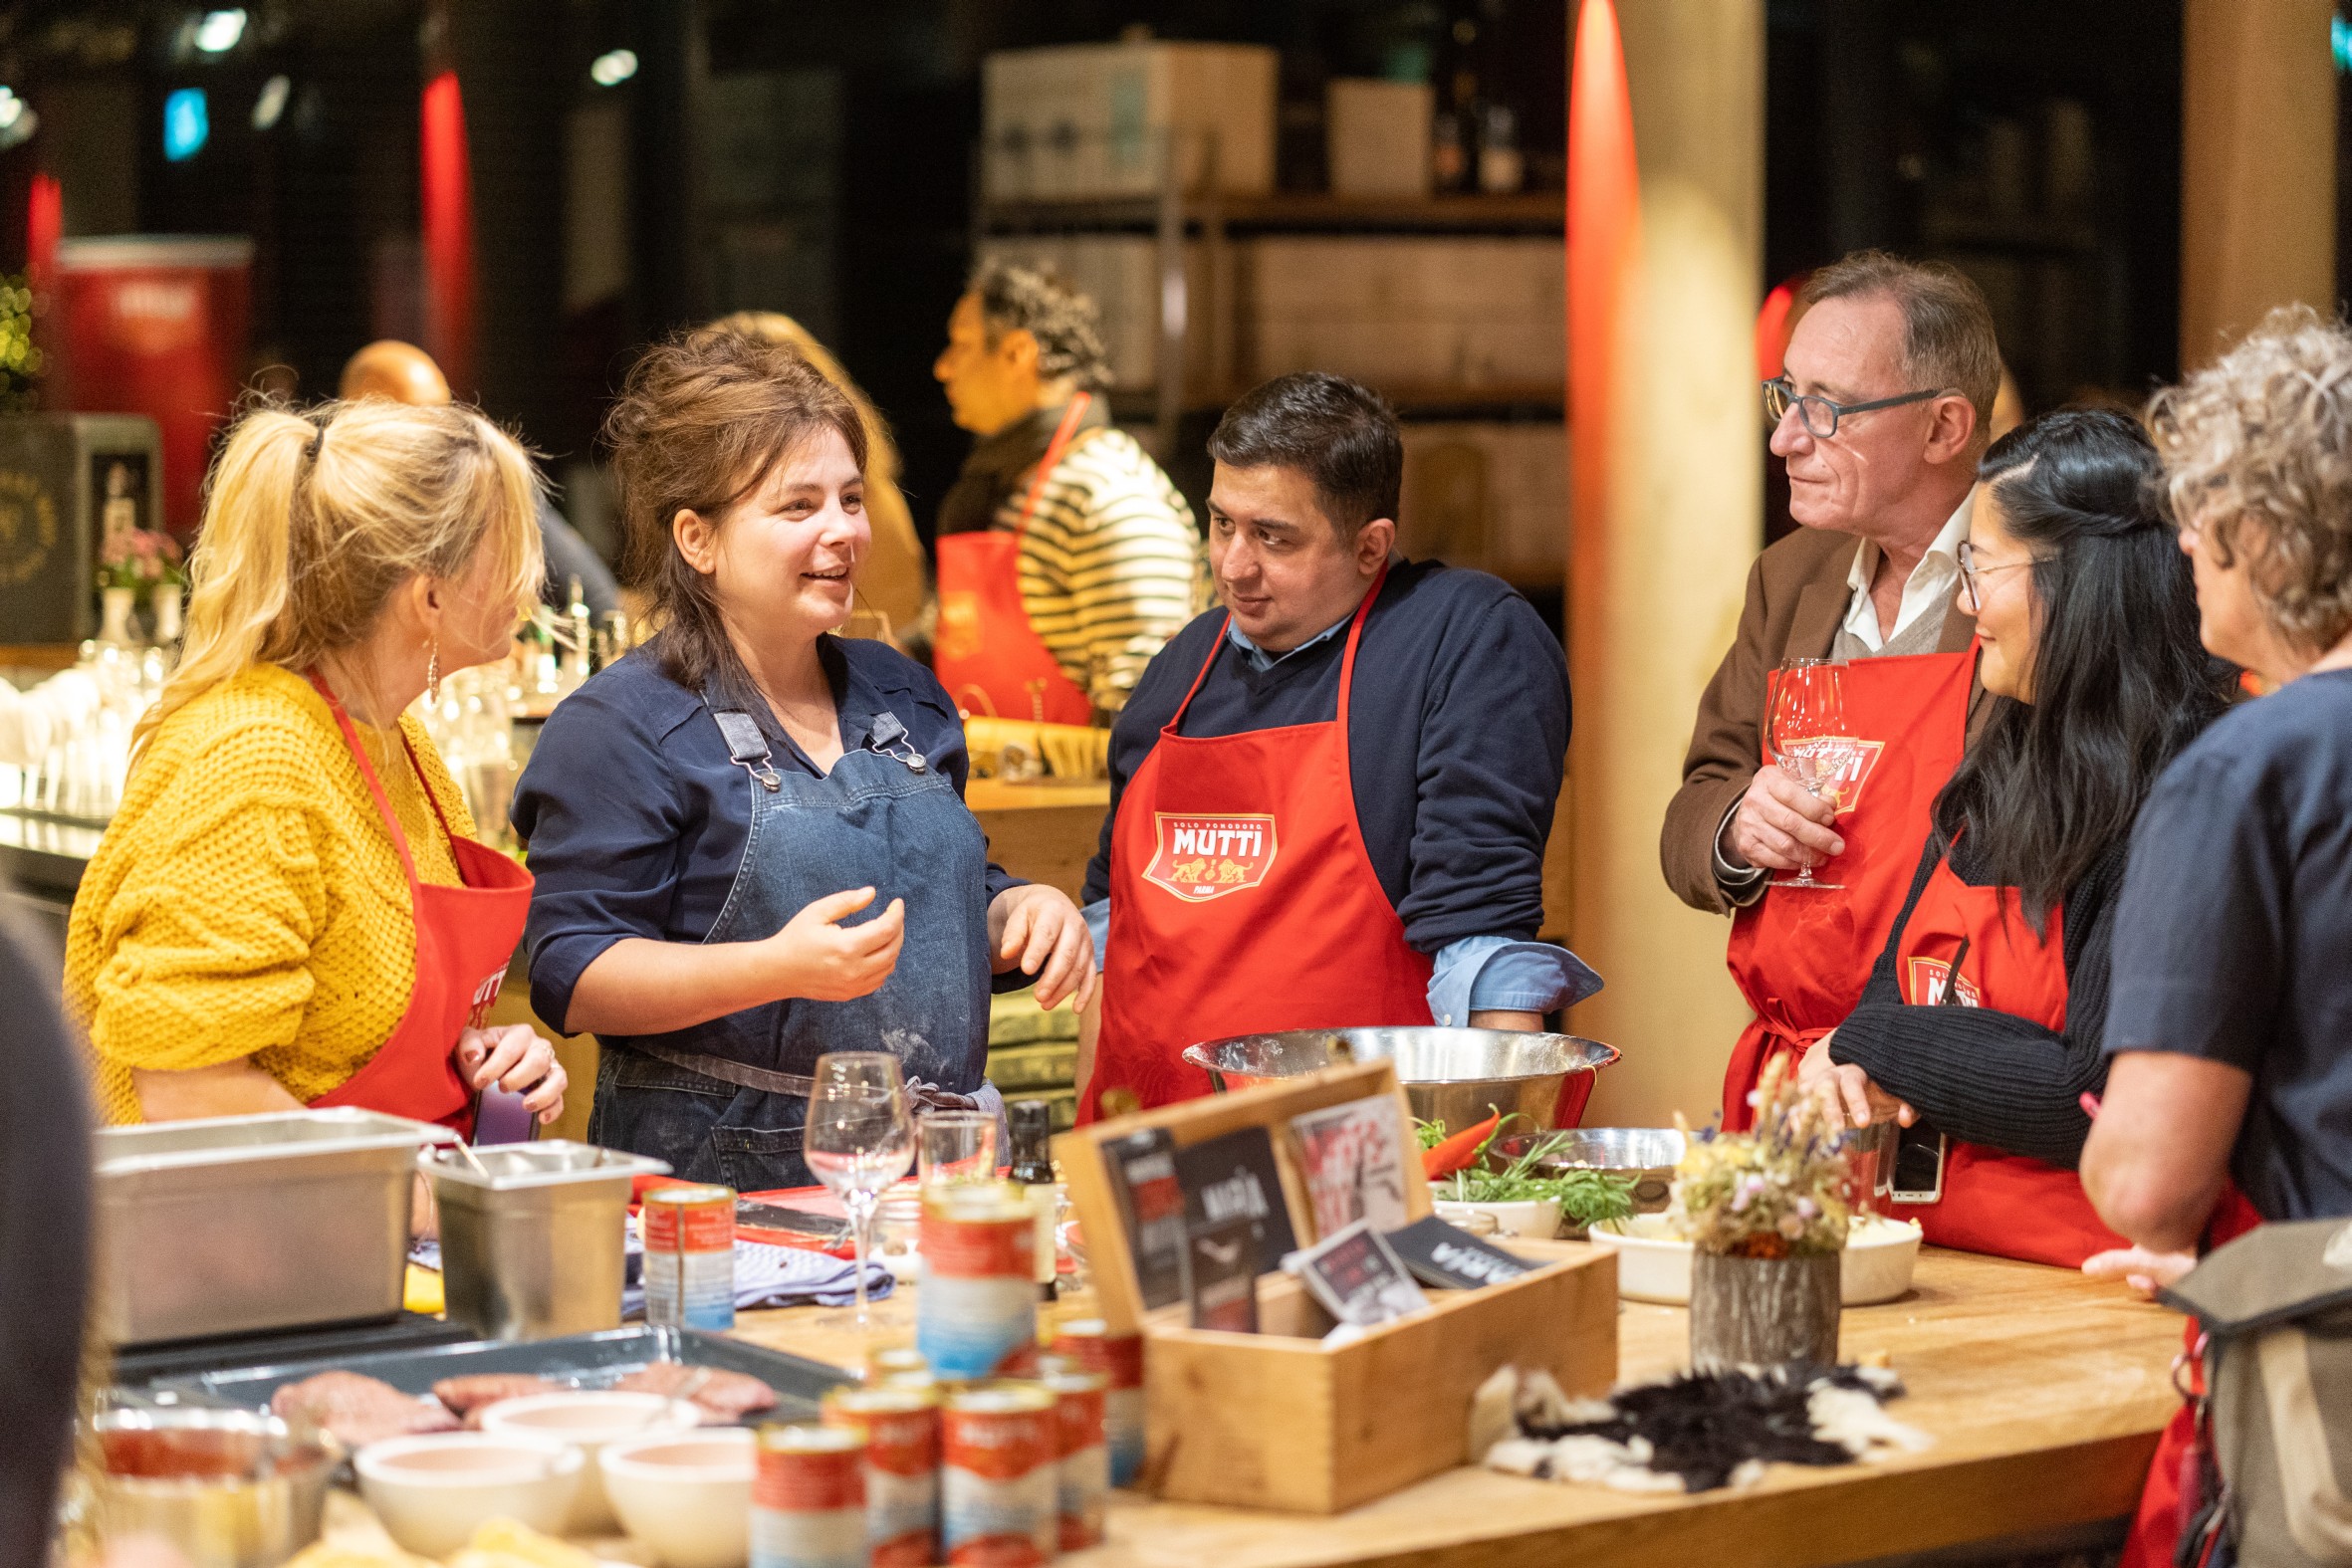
(749, 835)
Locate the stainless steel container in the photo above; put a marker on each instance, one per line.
(229, 1489)
(533, 1235)
(1452, 1075)
(1645, 1154)
(236, 1225)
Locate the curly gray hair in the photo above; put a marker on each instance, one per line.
(1066, 322)
(2263, 436)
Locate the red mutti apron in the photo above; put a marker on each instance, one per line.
(1802, 956)
(1242, 899)
(2005, 1204)
(464, 938)
(989, 657)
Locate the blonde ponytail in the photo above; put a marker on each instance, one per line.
(312, 520)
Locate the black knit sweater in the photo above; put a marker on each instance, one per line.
(1985, 1076)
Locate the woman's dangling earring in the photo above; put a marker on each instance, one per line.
(432, 673)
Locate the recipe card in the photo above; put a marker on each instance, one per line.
(1142, 1168)
(1449, 1258)
(1358, 1279)
(1232, 1179)
(1354, 1159)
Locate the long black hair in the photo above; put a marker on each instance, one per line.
(2120, 681)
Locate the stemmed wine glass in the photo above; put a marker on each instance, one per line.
(859, 1138)
(1804, 730)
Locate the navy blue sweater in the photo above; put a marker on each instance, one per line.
(1458, 736)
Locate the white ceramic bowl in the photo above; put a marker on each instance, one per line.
(433, 1491)
(1538, 1220)
(1654, 1264)
(687, 1495)
(587, 1420)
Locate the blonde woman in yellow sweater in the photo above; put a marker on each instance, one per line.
(290, 908)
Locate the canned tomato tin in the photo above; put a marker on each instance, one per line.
(976, 1310)
(901, 1427)
(1082, 1465)
(690, 1256)
(998, 1485)
(809, 1498)
(1119, 1356)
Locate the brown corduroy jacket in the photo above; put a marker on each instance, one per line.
(1796, 600)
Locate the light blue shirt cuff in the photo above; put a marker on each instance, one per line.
(1098, 918)
(1502, 974)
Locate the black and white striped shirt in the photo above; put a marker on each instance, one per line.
(1110, 565)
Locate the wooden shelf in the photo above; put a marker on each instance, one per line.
(1534, 212)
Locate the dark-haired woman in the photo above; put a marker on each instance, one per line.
(1979, 1033)
(749, 835)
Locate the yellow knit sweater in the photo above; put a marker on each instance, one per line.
(247, 901)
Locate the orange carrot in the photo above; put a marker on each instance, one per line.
(1454, 1152)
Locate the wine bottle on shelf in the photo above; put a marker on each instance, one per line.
(1032, 1169)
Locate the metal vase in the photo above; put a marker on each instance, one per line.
(1764, 1311)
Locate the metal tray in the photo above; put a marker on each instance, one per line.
(582, 1360)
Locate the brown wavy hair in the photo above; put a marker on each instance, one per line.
(2263, 435)
(702, 421)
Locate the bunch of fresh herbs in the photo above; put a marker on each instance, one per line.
(1585, 1196)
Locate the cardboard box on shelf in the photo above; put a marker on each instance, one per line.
(1378, 137)
(1425, 313)
(1489, 495)
(1084, 122)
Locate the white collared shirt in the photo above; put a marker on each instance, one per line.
(1931, 587)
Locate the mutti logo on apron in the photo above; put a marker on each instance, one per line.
(1930, 980)
(485, 995)
(1859, 759)
(1197, 858)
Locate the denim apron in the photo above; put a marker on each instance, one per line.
(725, 1101)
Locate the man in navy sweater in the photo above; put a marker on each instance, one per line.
(1328, 798)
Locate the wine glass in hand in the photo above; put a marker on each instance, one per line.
(1804, 729)
(860, 1139)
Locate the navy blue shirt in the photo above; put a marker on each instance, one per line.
(1458, 734)
(2234, 936)
(637, 817)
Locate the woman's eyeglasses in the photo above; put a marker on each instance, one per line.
(1819, 414)
(1970, 570)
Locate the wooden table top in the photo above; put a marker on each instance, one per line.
(994, 795)
(2043, 1390)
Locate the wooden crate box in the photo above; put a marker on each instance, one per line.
(1277, 1420)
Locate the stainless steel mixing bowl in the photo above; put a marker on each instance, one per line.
(1457, 1077)
(230, 1488)
(1646, 1155)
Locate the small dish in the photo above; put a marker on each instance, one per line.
(1654, 1264)
(686, 1495)
(1538, 1219)
(433, 1491)
(589, 1420)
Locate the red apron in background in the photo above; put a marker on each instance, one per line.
(465, 937)
(2170, 1497)
(987, 654)
(1242, 899)
(1998, 1202)
(1801, 957)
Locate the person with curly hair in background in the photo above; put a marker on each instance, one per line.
(1067, 558)
(2229, 1092)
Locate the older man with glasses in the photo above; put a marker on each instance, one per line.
(1884, 409)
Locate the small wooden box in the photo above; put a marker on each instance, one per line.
(1275, 1420)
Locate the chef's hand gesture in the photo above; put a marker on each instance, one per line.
(1038, 930)
(1852, 1098)
(2145, 1271)
(824, 961)
(1780, 825)
(514, 1057)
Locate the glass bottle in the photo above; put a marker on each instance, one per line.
(1032, 1169)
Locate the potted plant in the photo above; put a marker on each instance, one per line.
(136, 561)
(1768, 1219)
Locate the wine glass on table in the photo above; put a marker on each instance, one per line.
(860, 1139)
(1804, 730)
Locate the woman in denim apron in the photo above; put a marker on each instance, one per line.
(749, 835)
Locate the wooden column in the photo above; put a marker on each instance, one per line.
(2258, 166)
(1668, 517)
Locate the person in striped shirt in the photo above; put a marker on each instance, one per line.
(1107, 560)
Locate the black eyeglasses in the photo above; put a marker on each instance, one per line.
(1819, 414)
